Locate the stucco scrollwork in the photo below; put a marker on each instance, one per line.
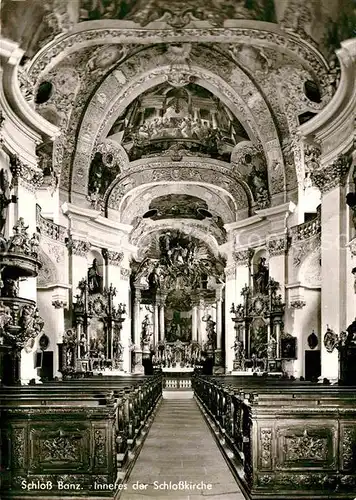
(310, 272)
(230, 273)
(113, 154)
(101, 35)
(78, 247)
(243, 257)
(302, 249)
(112, 257)
(125, 274)
(187, 171)
(205, 75)
(333, 174)
(277, 246)
(47, 274)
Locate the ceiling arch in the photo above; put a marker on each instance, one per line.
(115, 94)
(138, 201)
(188, 171)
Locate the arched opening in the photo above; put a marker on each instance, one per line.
(312, 91)
(44, 92)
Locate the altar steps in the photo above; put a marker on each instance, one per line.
(180, 447)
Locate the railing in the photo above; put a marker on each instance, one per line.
(49, 228)
(307, 229)
(177, 380)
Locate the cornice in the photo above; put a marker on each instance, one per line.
(54, 286)
(89, 216)
(98, 231)
(11, 55)
(241, 224)
(279, 210)
(300, 285)
(328, 126)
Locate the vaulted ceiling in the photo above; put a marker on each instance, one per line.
(149, 95)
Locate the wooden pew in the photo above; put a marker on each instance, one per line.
(85, 434)
(285, 440)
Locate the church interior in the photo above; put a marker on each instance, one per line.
(178, 249)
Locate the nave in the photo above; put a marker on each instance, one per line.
(104, 438)
(180, 459)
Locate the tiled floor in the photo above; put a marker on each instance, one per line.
(180, 447)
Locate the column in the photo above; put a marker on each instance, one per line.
(114, 276)
(26, 179)
(59, 303)
(277, 246)
(155, 323)
(218, 350)
(136, 316)
(162, 300)
(237, 276)
(214, 121)
(124, 296)
(78, 267)
(201, 325)
(194, 323)
(138, 367)
(301, 318)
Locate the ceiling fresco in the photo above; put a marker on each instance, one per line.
(206, 95)
(187, 116)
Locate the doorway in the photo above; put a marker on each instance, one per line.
(312, 365)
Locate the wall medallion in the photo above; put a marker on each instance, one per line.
(312, 340)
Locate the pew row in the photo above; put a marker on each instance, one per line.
(295, 441)
(83, 443)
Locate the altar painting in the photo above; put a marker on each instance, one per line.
(178, 325)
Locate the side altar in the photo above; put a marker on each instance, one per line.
(93, 345)
(261, 345)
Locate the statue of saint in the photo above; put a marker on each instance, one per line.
(239, 354)
(211, 333)
(146, 331)
(83, 346)
(261, 277)
(10, 288)
(94, 278)
(272, 348)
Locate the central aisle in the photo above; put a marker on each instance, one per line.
(180, 447)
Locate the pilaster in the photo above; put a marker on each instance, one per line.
(333, 257)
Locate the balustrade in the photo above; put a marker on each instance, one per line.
(307, 229)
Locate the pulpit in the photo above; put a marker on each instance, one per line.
(20, 322)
